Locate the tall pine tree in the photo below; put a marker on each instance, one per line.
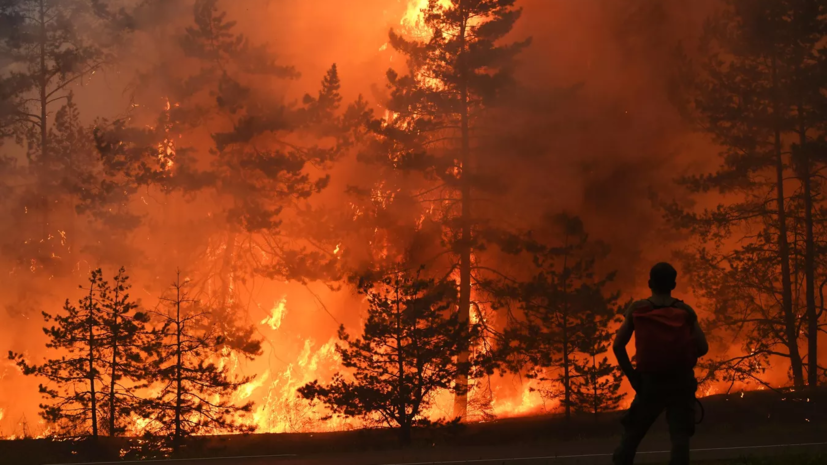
(53, 47)
(805, 81)
(222, 135)
(456, 72)
(757, 91)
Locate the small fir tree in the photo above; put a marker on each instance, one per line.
(563, 312)
(196, 386)
(405, 355)
(95, 377)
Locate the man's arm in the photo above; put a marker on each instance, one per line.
(624, 335)
(697, 333)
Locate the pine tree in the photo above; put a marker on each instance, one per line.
(405, 355)
(51, 45)
(596, 387)
(105, 337)
(562, 318)
(802, 41)
(76, 380)
(757, 87)
(454, 76)
(265, 155)
(195, 386)
(77, 183)
(125, 336)
(743, 289)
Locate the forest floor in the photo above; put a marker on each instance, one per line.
(756, 428)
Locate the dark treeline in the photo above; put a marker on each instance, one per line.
(212, 167)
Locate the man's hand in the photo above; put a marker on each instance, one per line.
(624, 335)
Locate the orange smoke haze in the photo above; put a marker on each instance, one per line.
(594, 115)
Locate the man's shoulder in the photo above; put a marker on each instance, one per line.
(685, 306)
(644, 303)
(636, 305)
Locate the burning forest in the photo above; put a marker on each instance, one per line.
(285, 216)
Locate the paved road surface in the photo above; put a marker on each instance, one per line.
(499, 456)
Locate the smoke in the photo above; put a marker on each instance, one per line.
(591, 130)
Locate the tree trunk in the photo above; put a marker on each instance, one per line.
(566, 364)
(404, 427)
(809, 263)
(178, 368)
(404, 434)
(113, 372)
(91, 338)
(44, 163)
(790, 327)
(594, 381)
(786, 281)
(461, 399)
(227, 270)
(566, 367)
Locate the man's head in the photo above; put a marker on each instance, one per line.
(662, 278)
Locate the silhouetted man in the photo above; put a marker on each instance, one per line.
(668, 342)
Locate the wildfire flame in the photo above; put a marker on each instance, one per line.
(282, 411)
(166, 148)
(414, 20)
(277, 314)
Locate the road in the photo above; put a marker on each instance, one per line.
(497, 456)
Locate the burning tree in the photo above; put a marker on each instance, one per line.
(405, 355)
(190, 367)
(560, 326)
(759, 92)
(100, 341)
(51, 48)
(226, 139)
(457, 69)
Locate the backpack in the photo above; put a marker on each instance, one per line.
(663, 338)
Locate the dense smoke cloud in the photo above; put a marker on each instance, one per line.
(592, 128)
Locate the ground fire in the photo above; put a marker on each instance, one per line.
(310, 217)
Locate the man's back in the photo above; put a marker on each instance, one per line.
(669, 340)
(665, 339)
